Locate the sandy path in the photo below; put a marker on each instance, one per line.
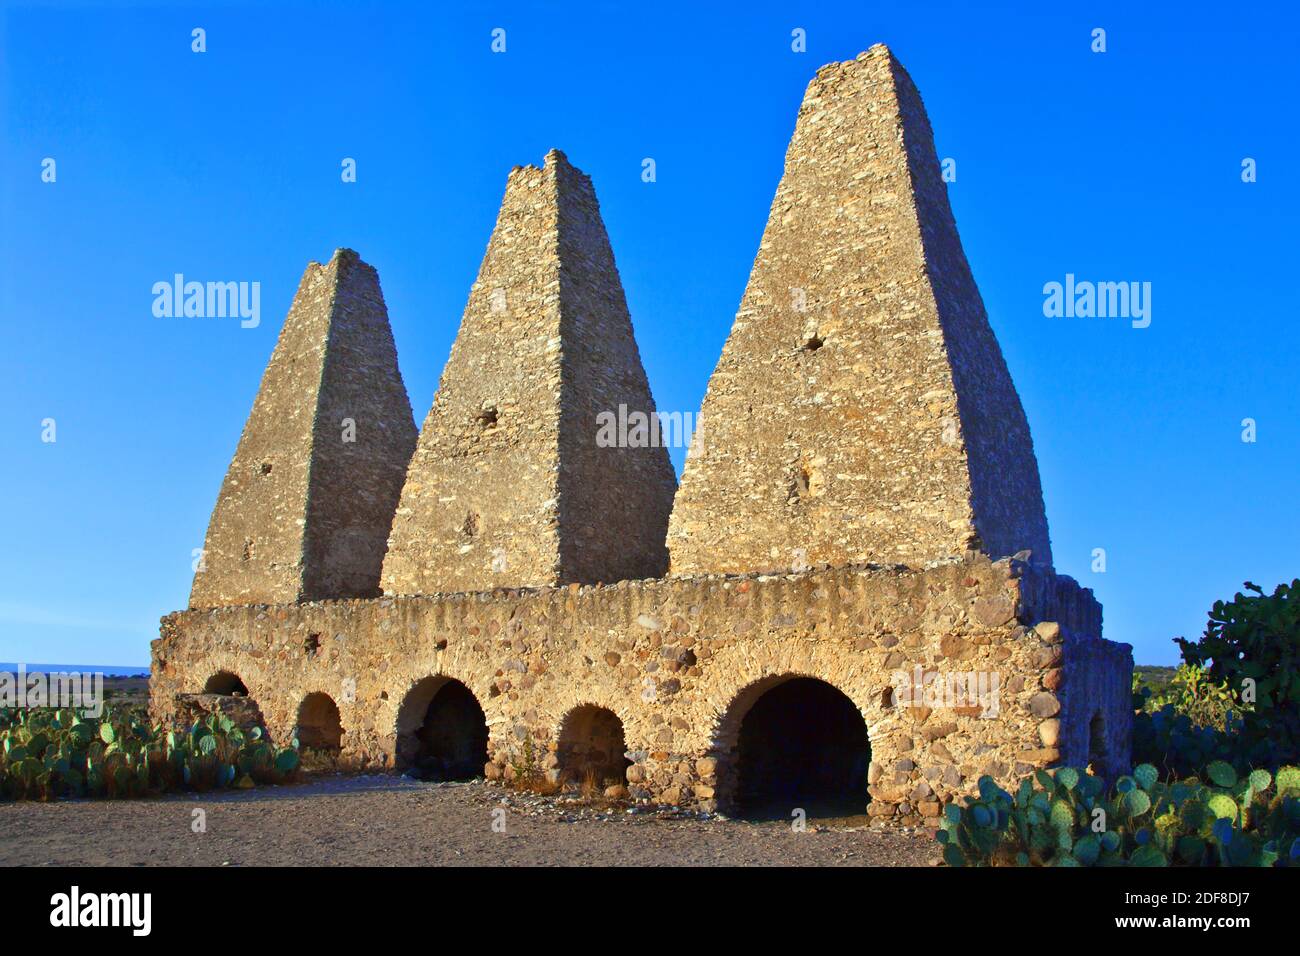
(396, 822)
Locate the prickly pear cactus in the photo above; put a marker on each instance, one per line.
(1067, 818)
(48, 754)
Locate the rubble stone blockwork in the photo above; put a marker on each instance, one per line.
(508, 486)
(861, 410)
(527, 601)
(305, 508)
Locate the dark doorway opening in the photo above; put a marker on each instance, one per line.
(1097, 756)
(592, 747)
(320, 726)
(442, 731)
(802, 745)
(226, 684)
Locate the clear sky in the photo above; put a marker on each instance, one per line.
(225, 165)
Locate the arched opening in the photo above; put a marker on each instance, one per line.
(226, 684)
(223, 693)
(1097, 756)
(591, 748)
(320, 726)
(801, 743)
(441, 731)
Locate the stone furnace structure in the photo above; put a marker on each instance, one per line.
(850, 597)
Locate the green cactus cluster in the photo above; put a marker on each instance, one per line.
(1236, 697)
(1068, 817)
(1192, 693)
(1166, 735)
(47, 753)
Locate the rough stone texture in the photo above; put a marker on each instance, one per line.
(303, 513)
(508, 487)
(823, 446)
(1088, 679)
(534, 657)
(861, 410)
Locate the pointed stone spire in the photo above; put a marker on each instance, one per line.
(509, 485)
(861, 410)
(305, 509)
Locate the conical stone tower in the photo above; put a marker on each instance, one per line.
(509, 485)
(305, 509)
(861, 410)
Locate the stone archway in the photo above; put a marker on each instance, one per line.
(320, 725)
(442, 732)
(224, 694)
(227, 684)
(591, 747)
(794, 742)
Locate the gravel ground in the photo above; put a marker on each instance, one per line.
(387, 821)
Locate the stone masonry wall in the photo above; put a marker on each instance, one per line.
(861, 410)
(303, 511)
(614, 500)
(1006, 493)
(507, 487)
(679, 661)
(363, 437)
(484, 478)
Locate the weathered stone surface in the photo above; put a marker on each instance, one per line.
(305, 509)
(1048, 631)
(1096, 725)
(374, 654)
(1048, 657)
(861, 410)
(1041, 756)
(953, 647)
(1049, 732)
(994, 611)
(509, 486)
(935, 731)
(1044, 705)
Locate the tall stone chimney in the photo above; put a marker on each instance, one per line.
(305, 509)
(861, 410)
(509, 485)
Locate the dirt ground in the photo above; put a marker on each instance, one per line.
(388, 821)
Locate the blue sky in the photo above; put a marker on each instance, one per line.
(225, 165)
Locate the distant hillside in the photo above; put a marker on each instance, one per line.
(1154, 675)
(108, 670)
